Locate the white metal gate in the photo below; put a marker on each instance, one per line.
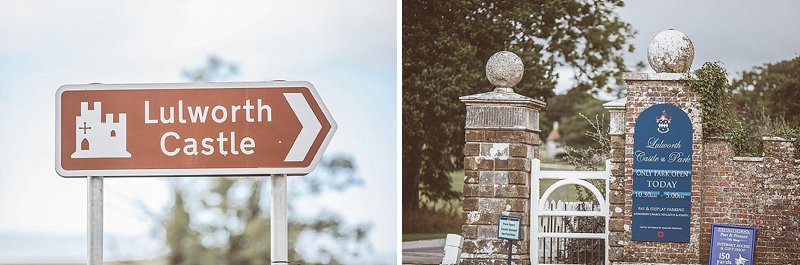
(539, 209)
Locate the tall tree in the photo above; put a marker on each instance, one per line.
(445, 48)
(567, 110)
(771, 91)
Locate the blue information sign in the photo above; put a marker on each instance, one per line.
(732, 245)
(662, 175)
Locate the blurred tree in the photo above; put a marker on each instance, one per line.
(574, 126)
(772, 90)
(445, 48)
(215, 69)
(225, 221)
(567, 109)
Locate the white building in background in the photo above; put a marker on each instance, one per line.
(552, 146)
(97, 139)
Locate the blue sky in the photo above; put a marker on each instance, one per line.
(346, 49)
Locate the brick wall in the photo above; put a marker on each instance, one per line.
(762, 192)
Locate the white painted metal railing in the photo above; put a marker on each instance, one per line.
(540, 204)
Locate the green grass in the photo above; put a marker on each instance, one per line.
(457, 185)
(427, 221)
(564, 193)
(457, 180)
(424, 236)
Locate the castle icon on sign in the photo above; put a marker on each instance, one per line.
(97, 139)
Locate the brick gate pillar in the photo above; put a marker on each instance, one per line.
(645, 90)
(502, 136)
(670, 54)
(616, 223)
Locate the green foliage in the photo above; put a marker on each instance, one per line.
(757, 95)
(772, 90)
(719, 121)
(445, 48)
(745, 139)
(215, 69)
(591, 157)
(194, 242)
(711, 83)
(784, 129)
(436, 217)
(767, 99)
(567, 109)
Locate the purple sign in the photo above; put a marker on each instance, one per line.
(733, 245)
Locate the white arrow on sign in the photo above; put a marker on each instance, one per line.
(308, 121)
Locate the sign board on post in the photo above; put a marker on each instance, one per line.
(197, 129)
(731, 244)
(508, 227)
(252, 128)
(662, 175)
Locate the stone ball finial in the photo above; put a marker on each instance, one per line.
(504, 70)
(670, 51)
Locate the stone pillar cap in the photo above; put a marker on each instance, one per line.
(504, 70)
(656, 76)
(501, 97)
(670, 51)
(616, 104)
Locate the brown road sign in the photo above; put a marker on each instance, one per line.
(200, 129)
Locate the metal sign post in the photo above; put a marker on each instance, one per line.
(279, 228)
(94, 195)
(510, 243)
(508, 228)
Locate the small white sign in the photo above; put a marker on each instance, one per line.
(508, 227)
